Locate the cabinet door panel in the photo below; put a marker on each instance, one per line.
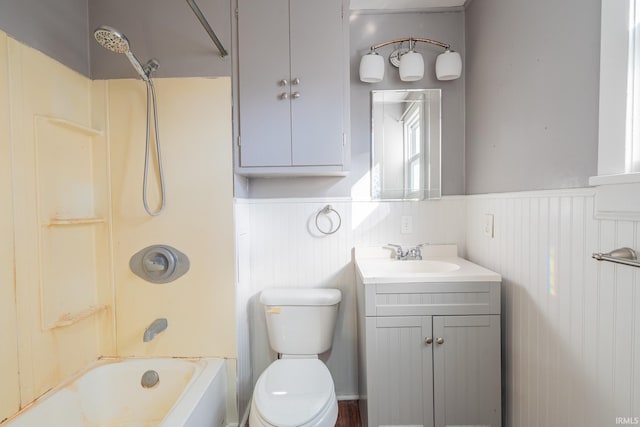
(263, 58)
(466, 370)
(317, 60)
(401, 364)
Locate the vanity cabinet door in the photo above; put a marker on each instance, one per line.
(400, 376)
(466, 370)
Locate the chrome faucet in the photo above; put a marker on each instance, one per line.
(154, 329)
(410, 254)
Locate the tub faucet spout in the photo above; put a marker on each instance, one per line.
(154, 329)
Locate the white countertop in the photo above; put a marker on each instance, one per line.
(377, 265)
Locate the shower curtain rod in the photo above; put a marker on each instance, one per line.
(207, 27)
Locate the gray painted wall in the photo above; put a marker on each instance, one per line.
(163, 29)
(532, 81)
(56, 28)
(367, 30)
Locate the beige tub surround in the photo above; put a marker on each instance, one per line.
(10, 386)
(63, 280)
(195, 122)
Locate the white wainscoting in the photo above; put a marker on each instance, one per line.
(287, 250)
(571, 325)
(571, 341)
(243, 285)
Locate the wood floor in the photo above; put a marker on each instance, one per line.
(348, 414)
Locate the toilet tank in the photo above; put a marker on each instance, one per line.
(300, 321)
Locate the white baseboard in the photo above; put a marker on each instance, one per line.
(349, 397)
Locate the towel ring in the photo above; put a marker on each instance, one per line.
(327, 211)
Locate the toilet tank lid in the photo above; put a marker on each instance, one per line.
(297, 296)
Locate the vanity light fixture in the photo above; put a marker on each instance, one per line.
(410, 62)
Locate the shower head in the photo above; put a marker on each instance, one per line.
(115, 41)
(111, 39)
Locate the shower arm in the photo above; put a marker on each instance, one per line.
(207, 27)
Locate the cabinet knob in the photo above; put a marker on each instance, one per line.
(440, 340)
(284, 82)
(428, 340)
(295, 95)
(295, 81)
(283, 95)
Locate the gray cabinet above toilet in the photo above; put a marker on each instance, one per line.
(292, 80)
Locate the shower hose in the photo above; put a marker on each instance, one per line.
(151, 93)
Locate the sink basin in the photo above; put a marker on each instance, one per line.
(394, 268)
(440, 263)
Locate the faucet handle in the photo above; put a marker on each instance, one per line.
(417, 248)
(398, 248)
(415, 252)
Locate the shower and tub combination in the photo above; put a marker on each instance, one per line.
(137, 392)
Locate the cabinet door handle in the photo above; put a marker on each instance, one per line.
(295, 81)
(284, 82)
(428, 340)
(283, 95)
(439, 340)
(295, 95)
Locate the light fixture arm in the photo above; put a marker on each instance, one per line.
(410, 62)
(411, 39)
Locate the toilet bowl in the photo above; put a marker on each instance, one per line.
(294, 393)
(297, 390)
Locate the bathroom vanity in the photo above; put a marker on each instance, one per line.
(428, 340)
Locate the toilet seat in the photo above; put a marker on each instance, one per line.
(294, 393)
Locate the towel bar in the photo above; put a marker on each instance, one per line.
(626, 256)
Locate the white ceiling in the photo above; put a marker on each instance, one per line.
(405, 4)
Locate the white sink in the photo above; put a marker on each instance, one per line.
(440, 263)
(394, 268)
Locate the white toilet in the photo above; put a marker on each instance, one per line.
(297, 389)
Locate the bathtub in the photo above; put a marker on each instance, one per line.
(190, 393)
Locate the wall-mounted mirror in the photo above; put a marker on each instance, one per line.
(405, 144)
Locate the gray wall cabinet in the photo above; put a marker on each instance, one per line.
(429, 370)
(291, 84)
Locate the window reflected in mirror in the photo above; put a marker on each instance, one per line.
(405, 144)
